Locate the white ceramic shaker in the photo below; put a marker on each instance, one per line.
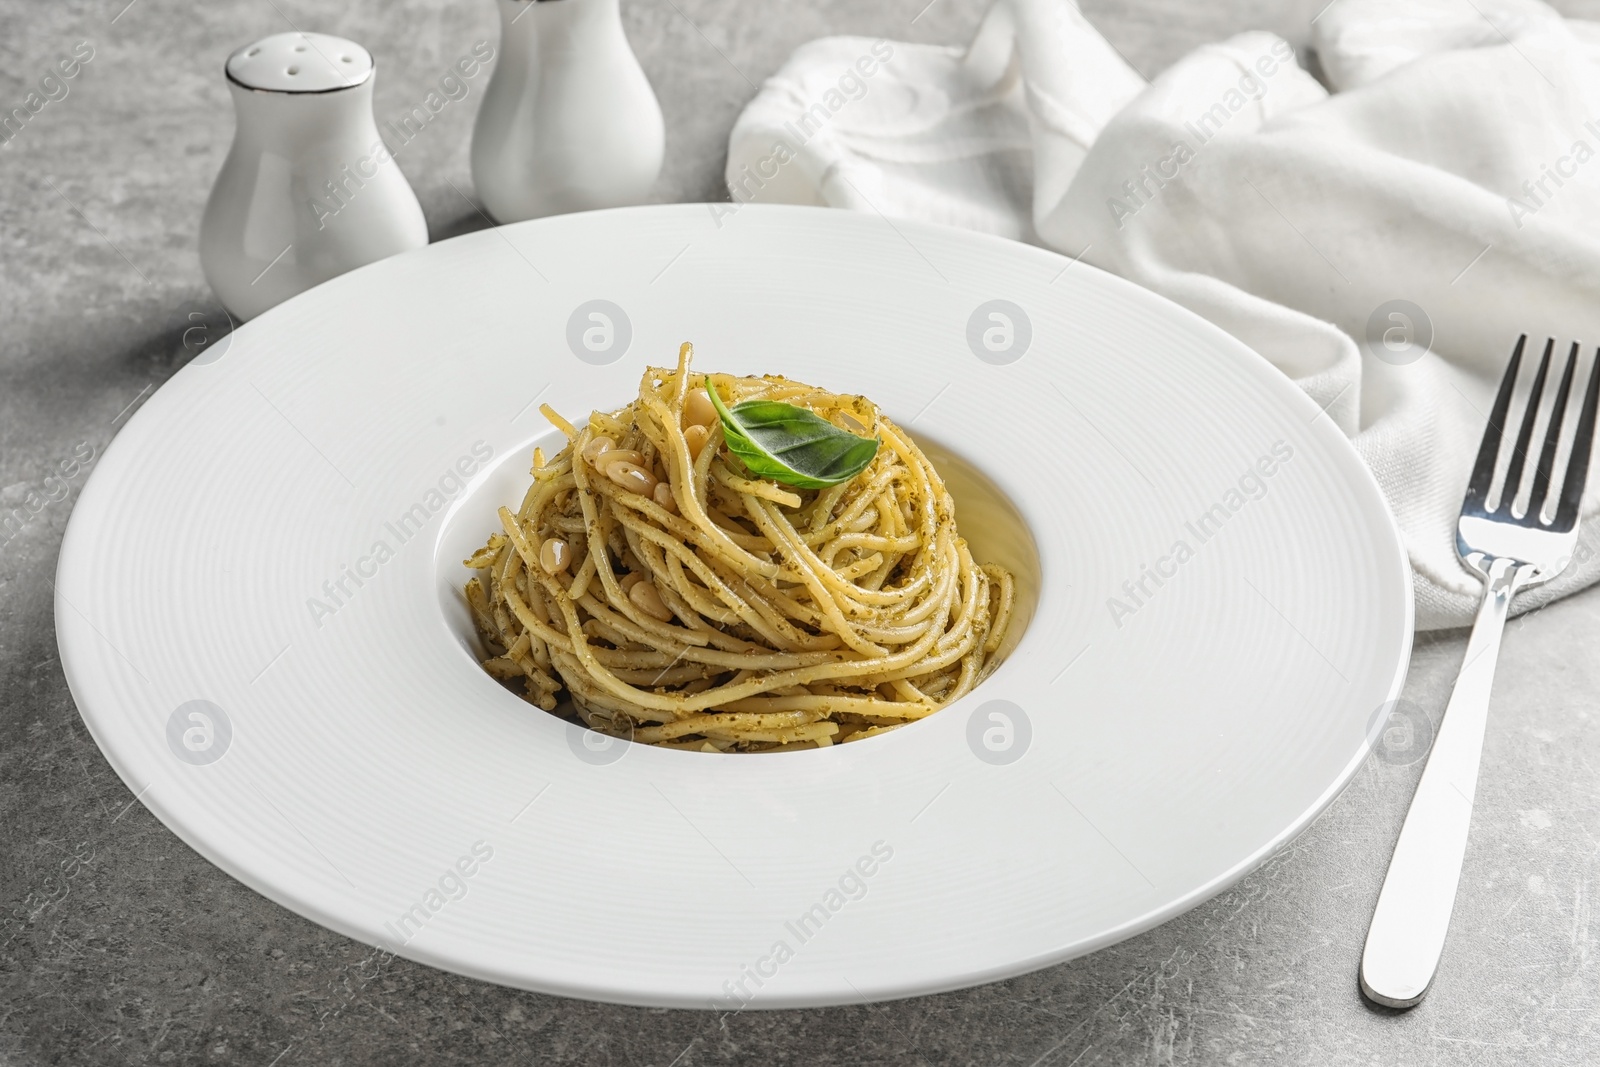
(569, 121)
(308, 190)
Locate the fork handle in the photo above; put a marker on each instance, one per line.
(1413, 913)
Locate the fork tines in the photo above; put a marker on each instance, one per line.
(1572, 483)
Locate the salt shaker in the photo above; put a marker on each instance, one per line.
(308, 190)
(569, 121)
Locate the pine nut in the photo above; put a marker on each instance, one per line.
(631, 477)
(647, 599)
(698, 411)
(629, 580)
(663, 497)
(696, 437)
(554, 555)
(597, 447)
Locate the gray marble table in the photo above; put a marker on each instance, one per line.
(119, 945)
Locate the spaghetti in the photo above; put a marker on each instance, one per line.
(680, 601)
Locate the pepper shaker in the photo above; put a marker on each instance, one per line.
(569, 121)
(308, 190)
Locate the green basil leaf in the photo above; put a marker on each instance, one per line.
(790, 444)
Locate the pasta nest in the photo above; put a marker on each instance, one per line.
(684, 602)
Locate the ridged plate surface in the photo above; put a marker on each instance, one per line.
(1173, 715)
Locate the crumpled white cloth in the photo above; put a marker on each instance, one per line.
(1455, 166)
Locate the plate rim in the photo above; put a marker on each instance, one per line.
(1399, 565)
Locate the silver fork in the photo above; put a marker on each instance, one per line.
(1509, 551)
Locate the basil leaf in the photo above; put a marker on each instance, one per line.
(790, 444)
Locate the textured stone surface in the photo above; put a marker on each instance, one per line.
(118, 945)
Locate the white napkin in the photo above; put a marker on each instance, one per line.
(1456, 167)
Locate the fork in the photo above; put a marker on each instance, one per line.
(1509, 551)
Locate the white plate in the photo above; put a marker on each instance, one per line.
(1167, 748)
